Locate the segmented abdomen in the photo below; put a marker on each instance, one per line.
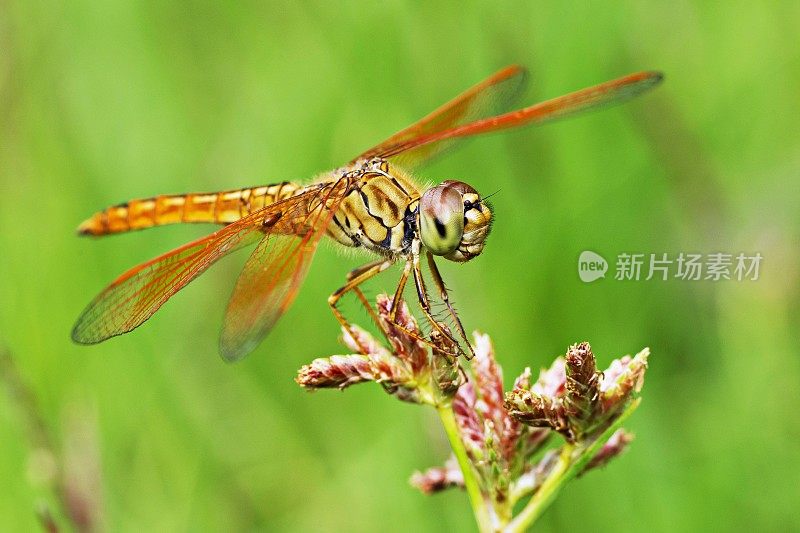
(217, 208)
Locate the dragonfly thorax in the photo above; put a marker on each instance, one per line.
(453, 221)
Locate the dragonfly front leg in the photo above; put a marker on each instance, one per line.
(422, 296)
(437, 279)
(355, 278)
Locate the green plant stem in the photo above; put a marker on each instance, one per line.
(476, 499)
(571, 461)
(546, 493)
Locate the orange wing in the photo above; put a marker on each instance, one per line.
(271, 278)
(492, 95)
(138, 293)
(418, 143)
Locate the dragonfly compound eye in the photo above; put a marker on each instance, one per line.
(441, 219)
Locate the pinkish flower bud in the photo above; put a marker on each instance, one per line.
(363, 343)
(341, 371)
(551, 380)
(613, 447)
(523, 381)
(469, 422)
(439, 478)
(623, 378)
(336, 371)
(489, 380)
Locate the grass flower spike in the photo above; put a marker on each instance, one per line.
(407, 369)
(506, 446)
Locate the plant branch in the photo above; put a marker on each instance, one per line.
(445, 410)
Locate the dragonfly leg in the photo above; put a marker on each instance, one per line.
(360, 294)
(398, 294)
(437, 279)
(363, 268)
(396, 302)
(354, 279)
(422, 295)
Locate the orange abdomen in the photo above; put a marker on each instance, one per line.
(216, 208)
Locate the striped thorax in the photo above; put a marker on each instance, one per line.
(384, 212)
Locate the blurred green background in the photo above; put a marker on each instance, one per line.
(101, 102)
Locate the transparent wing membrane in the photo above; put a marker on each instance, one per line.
(491, 96)
(272, 277)
(138, 293)
(464, 116)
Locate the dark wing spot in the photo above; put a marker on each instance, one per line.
(271, 220)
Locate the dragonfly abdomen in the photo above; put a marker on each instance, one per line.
(216, 208)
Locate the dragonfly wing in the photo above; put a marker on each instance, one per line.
(138, 293)
(611, 92)
(491, 96)
(272, 276)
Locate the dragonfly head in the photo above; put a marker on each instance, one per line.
(453, 221)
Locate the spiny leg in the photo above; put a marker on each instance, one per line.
(363, 268)
(422, 295)
(354, 279)
(395, 306)
(361, 274)
(398, 294)
(436, 348)
(360, 294)
(437, 279)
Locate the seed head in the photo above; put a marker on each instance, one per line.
(582, 388)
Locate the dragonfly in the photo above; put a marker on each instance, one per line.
(373, 203)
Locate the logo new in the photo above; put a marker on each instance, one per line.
(591, 266)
